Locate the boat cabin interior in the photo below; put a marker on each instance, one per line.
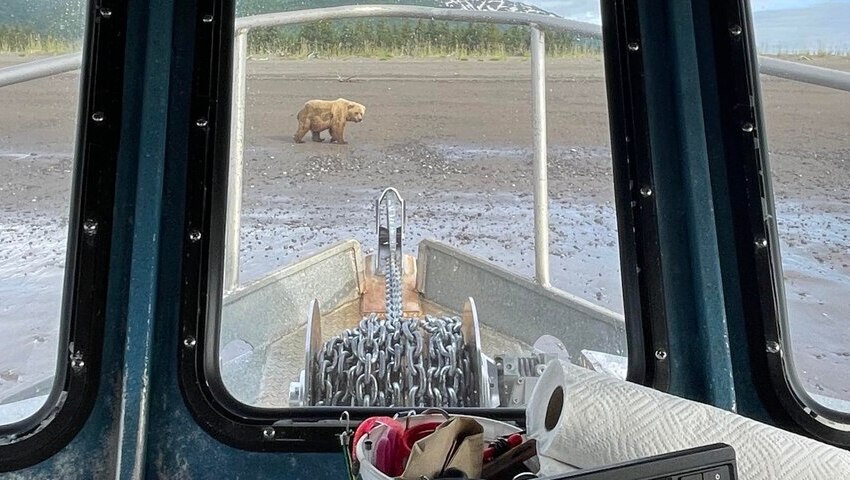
(614, 232)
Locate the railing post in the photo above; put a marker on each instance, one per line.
(237, 148)
(541, 182)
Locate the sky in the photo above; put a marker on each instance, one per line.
(588, 10)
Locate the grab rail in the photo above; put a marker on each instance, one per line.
(65, 63)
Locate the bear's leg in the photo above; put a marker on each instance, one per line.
(317, 137)
(299, 135)
(303, 128)
(336, 133)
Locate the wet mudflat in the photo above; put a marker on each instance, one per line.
(455, 138)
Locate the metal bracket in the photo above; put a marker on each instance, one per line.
(301, 392)
(390, 215)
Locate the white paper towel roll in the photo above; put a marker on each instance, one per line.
(586, 419)
(546, 409)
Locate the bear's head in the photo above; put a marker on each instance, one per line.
(355, 112)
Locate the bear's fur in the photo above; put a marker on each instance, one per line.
(320, 115)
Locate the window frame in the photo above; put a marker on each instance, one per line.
(88, 255)
(637, 214)
(757, 238)
(314, 429)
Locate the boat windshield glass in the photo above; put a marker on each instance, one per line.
(383, 246)
(37, 131)
(808, 135)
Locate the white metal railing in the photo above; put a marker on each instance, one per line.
(538, 83)
(40, 69)
(66, 63)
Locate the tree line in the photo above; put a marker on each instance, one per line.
(24, 39)
(373, 38)
(409, 38)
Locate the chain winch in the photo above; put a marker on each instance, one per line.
(394, 360)
(398, 360)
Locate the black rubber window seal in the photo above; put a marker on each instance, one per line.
(75, 387)
(756, 237)
(309, 429)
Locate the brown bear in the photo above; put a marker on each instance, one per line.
(320, 115)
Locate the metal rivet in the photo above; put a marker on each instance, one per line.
(105, 12)
(201, 122)
(189, 341)
(660, 354)
(519, 381)
(98, 116)
(735, 30)
(634, 46)
(645, 191)
(761, 242)
(207, 19)
(747, 127)
(90, 227)
(77, 362)
(194, 236)
(772, 346)
(268, 433)
(516, 401)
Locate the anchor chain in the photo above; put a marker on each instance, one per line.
(393, 291)
(396, 361)
(393, 273)
(390, 363)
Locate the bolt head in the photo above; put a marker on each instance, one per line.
(90, 227)
(201, 122)
(747, 127)
(772, 346)
(98, 116)
(268, 433)
(634, 46)
(735, 30)
(761, 242)
(194, 236)
(105, 12)
(77, 362)
(646, 191)
(661, 354)
(190, 342)
(207, 19)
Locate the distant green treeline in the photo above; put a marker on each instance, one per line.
(370, 38)
(26, 40)
(416, 38)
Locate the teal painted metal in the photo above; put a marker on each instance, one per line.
(140, 426)
(698, 337)
(746, 399)
(142, 298)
